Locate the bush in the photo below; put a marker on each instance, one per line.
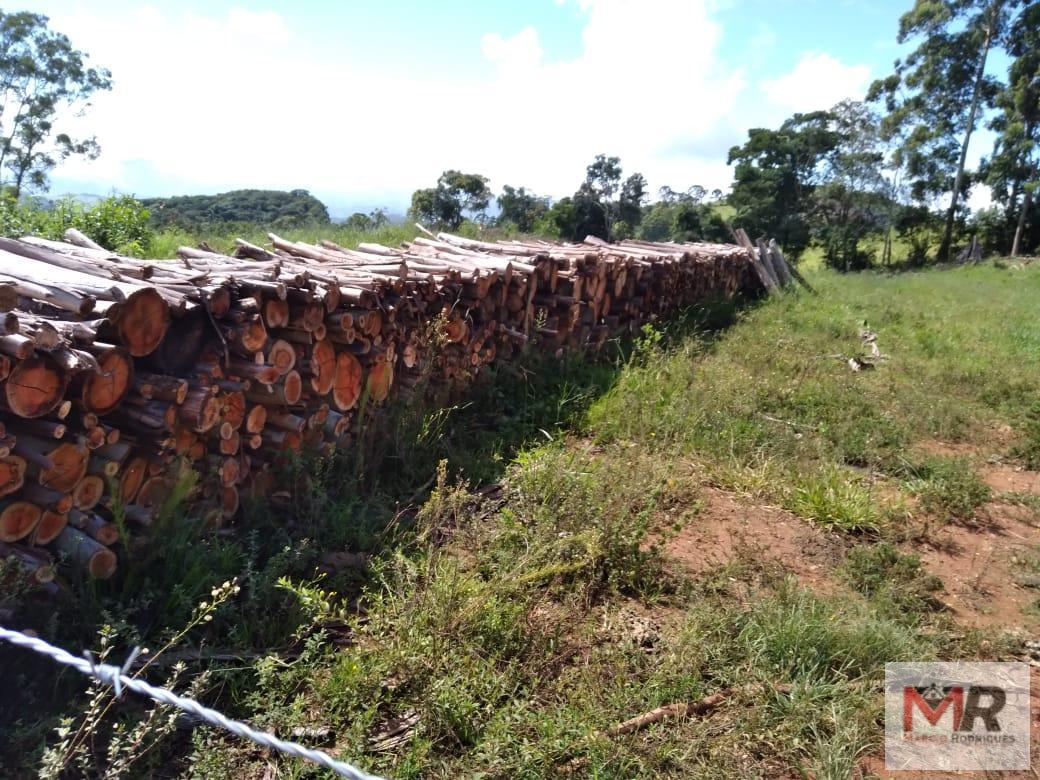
(119, 223)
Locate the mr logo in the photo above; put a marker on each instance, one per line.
(967, 704)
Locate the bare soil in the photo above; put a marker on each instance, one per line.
(728, 530)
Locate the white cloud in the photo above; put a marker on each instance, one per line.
(241, 99)
(516, 55)
(817, 82)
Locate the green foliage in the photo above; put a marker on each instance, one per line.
(365, 223)
(456, 196)
(932, 98)
(775, 174)
(119, 223)
(520, 208)
(272, 209)
(833, 499)
(1029, 449)
(896, 582)
(1014, 167)
(603, 206)
(683, 216)
(48, 80)
(948, 488)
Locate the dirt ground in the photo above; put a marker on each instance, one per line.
(990, 568)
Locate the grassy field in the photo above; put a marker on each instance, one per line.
(724, 506)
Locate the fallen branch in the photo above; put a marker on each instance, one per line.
(684, 709)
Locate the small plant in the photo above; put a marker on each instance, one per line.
(833, 498)
(90, 745)
(1029, 449)
(949, 488)
(893, 580)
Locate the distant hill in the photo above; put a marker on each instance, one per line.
(275, 208)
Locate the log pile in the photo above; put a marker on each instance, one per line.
(121, 375)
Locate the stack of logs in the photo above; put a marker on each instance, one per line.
(120, 375)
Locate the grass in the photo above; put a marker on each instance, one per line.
(509, 626)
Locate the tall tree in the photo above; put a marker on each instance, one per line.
(850, 203)
(630, 203)
(775, 174)
(602, 179)
(456, 195)
(1013, 170)
(935, 95)
(520, 208)
(42, 80)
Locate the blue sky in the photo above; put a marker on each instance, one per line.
(363, 102)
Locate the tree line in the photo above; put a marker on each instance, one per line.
(857, 180)
(874, 181)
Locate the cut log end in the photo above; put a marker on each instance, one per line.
(70, 463)
(102, 391)
(380, 378)
(35, 387)
(143, 320)
(18, 519)
(346, 389)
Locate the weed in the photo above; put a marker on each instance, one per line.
(895, 582)
(1029, 449)
(833, 498)
(948, 488)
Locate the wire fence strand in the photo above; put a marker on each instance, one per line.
(118, 678)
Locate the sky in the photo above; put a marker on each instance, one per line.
(361, 103)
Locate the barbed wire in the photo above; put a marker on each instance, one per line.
(119, 679)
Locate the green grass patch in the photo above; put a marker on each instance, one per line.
(948, 488)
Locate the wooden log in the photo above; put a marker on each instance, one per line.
(282, 356)
(161, 387)
(256, 419)
(88, 492)
(35, 563)
(46, 498)
(87, 555)
(142, 322)
(12, 474)
(35, 387)
(102, 391)
(96, 527)
(153, 494)
(131, 477)
(285, 392)
(200, 410)
(50, 526)
(380, 378)
(17, 519)
(69, 467)
(346, 389)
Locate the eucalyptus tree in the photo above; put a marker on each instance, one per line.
(935, 96)
(44, 81)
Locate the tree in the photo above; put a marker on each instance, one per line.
(274, 208)
(630, 203)
(775, 175)
(520, 208)
(682, 216)
(1013, 170)
(42, 79)
(360, 222)
(379, 218)
(456, 195)
(934, 97)
(851, 201)
(602, 178)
